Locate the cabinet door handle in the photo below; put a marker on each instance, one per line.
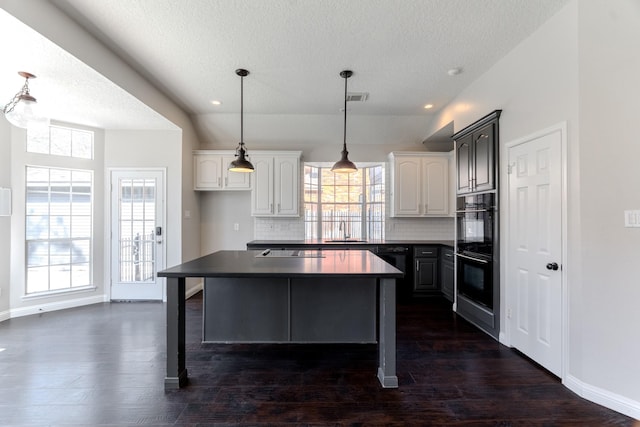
(278, 207)
(226, 181)
(271, 207)
(417, 265)
(218, 182)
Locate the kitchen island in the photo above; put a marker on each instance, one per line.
(287, 296)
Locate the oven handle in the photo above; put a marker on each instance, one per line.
(482, 261)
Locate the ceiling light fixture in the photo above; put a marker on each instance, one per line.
(428, 106)
(344, 165)
(241, 164)
(22, 110)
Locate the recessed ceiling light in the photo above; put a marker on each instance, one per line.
(454, 71)
(428, 106)
(216, 102)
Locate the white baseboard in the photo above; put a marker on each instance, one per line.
(193, 290)
(603, 397)
(502, 339)
(5, 315)
(59, 305)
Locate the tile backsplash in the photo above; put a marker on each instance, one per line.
(395, 228)
(278, 228)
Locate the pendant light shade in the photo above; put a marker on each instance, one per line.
(344, 165)
(241, 164)
(23, 110)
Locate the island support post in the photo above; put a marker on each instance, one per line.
(176, 367)
(387, 334)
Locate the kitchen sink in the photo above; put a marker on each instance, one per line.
(345, 241)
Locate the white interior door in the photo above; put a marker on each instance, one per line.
(137, 234)
(534, 252)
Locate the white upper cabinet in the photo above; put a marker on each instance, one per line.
(276, 184)
(210, 169)
(419, 184)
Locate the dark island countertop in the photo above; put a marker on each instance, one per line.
(318, 243)
(352, 263)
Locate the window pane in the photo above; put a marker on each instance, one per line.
(60, 277)
(37, 227)
(81, 227)
(60, 141)
(37, 279)
(80, 275)
(59, 227)
(80, 252)
(338, 205)
(82, 144)
(37, 254)
(38, 140)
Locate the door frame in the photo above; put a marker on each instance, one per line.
(508, 291)
(108, 224)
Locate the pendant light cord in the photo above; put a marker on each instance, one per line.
(345, 113)
(241, 109)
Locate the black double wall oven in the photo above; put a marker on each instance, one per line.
(475, 234)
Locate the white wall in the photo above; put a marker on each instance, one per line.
(5, 221)
(609, 80)
(219, 212)
(582, 67)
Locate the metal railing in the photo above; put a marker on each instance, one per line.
(137, 258)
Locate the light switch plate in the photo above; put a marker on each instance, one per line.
(632, 219)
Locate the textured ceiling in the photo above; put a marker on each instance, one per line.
(400, 52)
(64, 86)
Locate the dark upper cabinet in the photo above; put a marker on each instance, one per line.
(463, 165)
(476, 155)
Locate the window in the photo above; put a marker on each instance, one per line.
(61, 141)
(340, 205)
(58, 228)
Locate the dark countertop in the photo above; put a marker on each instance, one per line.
(322, 243)
(352, 263)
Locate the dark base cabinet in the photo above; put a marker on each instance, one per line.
(295, 310)
(426, 280)
(447, 273)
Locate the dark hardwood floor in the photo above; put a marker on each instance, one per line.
(104, 365)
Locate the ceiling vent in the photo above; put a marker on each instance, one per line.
(357, 96)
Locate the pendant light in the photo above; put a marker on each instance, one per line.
(241, 164)
(344, 165)
(23, 111)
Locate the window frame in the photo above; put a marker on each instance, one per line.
(81, 255)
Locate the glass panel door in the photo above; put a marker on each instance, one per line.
(137, 235)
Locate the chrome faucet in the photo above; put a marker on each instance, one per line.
(343, 228)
